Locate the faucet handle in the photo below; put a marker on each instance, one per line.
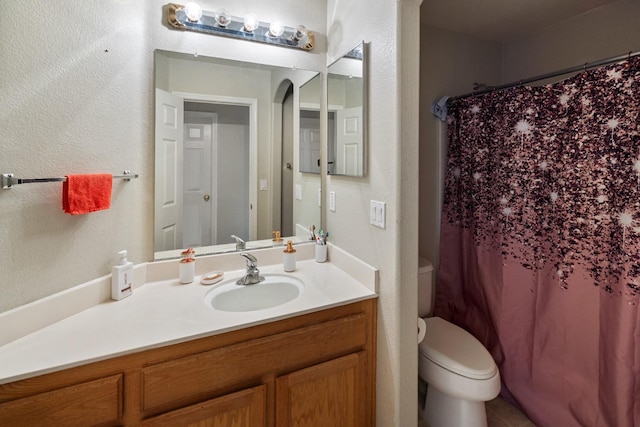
(240, 244)
(252, 262)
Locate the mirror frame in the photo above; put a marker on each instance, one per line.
(360, 51)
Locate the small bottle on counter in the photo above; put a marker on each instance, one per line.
(121, 277)
(289, 258)
(187, 266)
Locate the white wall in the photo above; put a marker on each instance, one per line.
(449, 65)
(391, 29)
(77, 97)
(607, 31)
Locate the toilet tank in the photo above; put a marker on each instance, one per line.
(425, 287)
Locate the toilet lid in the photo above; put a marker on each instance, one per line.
(456, 350)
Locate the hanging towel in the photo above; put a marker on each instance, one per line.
(83, 194)
(439, 109)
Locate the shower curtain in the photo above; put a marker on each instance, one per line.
(540, 242)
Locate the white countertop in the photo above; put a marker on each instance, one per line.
(165, 312)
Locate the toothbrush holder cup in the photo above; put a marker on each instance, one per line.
(321, 253)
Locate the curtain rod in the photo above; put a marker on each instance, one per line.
(586, 66)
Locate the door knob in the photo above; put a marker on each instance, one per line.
(206, 197)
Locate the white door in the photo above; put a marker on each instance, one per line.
(199, 219)
(349, 141)
(310, 144)
(168, 172)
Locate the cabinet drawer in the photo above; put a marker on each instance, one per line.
(192, 378)
(85, 404)
(246, 408)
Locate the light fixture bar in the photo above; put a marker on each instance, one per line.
(296, 38)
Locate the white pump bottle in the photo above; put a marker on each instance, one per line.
(121, 278)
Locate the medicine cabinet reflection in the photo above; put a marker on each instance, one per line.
(347, 128)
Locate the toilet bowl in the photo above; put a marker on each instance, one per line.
(460, 373)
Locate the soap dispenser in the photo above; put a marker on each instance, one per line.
(121, 277)
(289, 258)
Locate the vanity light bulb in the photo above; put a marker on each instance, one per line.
(276, 29)
(193, 11)
(250, 22)
(222, 18)
(300, 32)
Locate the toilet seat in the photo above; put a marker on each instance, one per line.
(456, 350)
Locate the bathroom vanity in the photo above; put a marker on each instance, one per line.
(314, 369)
(299, 366)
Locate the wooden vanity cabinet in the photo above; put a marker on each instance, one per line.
(316, 369)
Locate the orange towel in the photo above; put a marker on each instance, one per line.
(82, 194)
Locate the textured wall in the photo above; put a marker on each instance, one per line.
(391, 29)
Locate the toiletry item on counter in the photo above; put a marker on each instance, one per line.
(187, 267)
(289, 258)
(121, 277)
(321, 253)
(321, 246)
(212, 277)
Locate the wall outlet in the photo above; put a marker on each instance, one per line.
(377, 214)
(332, 201)
(298, 191)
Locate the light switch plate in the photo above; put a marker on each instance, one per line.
(332, 201)
(319, 197)
(263, 185)
(298, 192)
(377, 213)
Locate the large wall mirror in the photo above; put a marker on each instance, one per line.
(227, 153)
(347, 128)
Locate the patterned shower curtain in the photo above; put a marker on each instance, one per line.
(540, 242)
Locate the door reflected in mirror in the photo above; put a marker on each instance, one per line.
(347, 129)
(310, 126)
(226, 139)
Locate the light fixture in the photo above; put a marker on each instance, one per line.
(299, 33)
(191, 17)
(276, 29)
(222, 19)
(193, 11)
(250, 22)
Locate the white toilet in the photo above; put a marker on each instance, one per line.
(460, 373)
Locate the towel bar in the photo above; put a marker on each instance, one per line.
(8, 180)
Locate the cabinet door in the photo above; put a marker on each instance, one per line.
(329, 394)
(242, 409)
(97, 402)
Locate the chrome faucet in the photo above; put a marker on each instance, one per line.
(240, 244)
(252, 276)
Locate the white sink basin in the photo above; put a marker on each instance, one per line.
(275, 290)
